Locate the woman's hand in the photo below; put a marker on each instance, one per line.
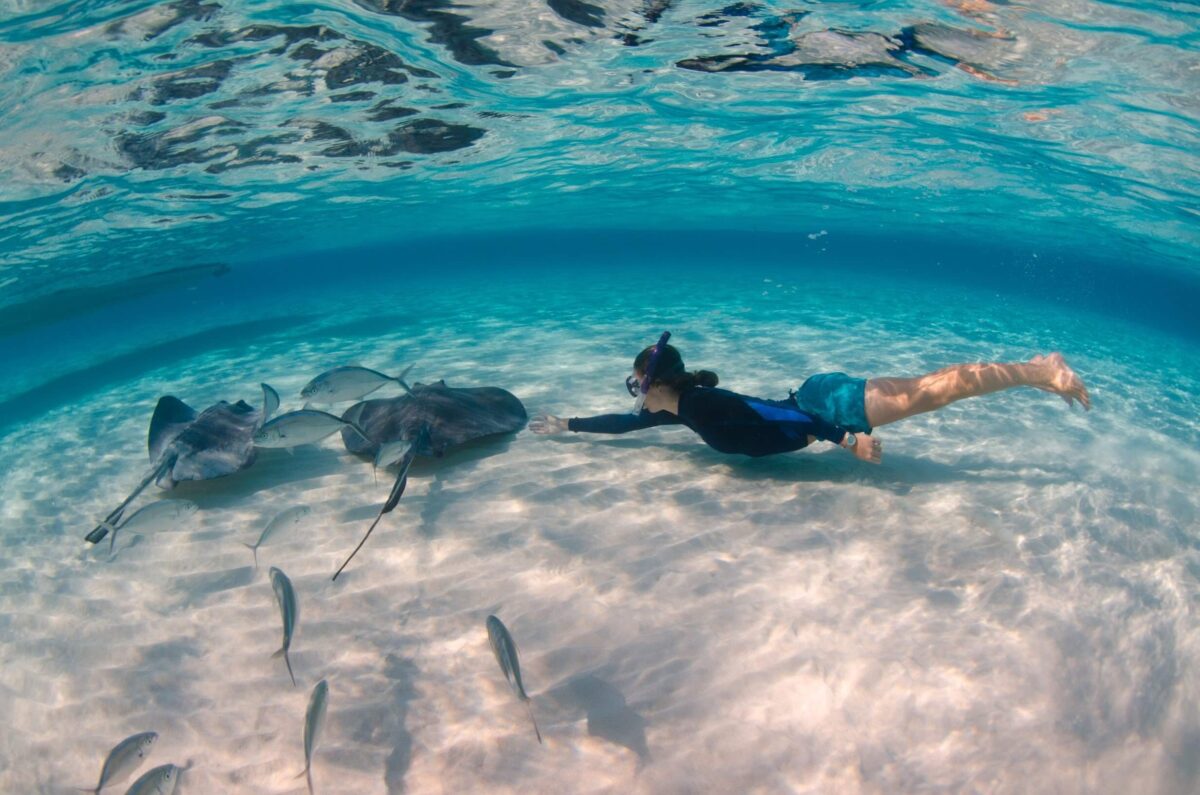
(867, 449)
(547, 423)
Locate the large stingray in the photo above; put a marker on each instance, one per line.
(189, 445)
(433, 418)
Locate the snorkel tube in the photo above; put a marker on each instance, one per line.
(649, 376)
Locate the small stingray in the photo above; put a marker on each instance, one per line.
(433, 418)
(189, 445)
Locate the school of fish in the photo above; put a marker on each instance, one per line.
(304, 426)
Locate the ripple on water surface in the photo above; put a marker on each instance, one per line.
(209, 129)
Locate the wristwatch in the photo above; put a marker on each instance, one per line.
(850, 440)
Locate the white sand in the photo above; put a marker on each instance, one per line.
(1008, 604)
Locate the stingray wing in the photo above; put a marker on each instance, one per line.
(171, 417)
(219, 442)
(453, 415)
(459, 415)
(355, 443)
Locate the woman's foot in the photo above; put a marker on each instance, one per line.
(1062, 380)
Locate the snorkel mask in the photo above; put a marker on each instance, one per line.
(640, 393)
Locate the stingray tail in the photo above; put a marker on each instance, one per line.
(110, 521)
(284, 654)
(529, 706)
(392, 500)
(346, 562)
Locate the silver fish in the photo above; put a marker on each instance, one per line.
(289, 611)
(287, 518)
(300, 427)
(159, 781)
(125, 758)
(506, 654)
(314, 721)
(390, 453)
(349, 383)
(270, 401)
(157, 515)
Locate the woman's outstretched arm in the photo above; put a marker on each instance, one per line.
(605, 423)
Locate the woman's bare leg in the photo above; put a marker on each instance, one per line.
(891, 399)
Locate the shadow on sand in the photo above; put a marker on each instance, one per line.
(271, 469)
(898, 473)
(608, 716)
(462, 458)
(401, 673)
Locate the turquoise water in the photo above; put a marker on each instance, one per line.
(199, 196)
(221, 131)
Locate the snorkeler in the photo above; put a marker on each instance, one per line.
(832, 407)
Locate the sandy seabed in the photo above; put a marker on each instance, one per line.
(1008, 604)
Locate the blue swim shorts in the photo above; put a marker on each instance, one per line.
(836, 398)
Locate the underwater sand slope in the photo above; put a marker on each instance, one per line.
(1006, 600)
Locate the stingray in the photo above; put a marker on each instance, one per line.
(189, 445)
(432, 418)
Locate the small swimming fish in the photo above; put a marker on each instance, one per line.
(159, 781)
(270, 401)
(289, 611)
(287, 518)
(157, 515)
(125, 758)
(349, 383)
(506, 654)
(389, 454)
(314, 721)
(301, 427)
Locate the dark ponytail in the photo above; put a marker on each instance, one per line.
(670, 372)
(684, 381)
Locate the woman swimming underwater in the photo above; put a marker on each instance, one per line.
(829, 406)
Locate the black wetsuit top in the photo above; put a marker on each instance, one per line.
(726, 421)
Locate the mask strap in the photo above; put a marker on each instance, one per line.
(650, 365)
